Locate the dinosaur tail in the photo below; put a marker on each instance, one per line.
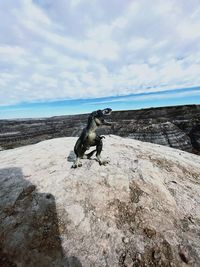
(89, 155)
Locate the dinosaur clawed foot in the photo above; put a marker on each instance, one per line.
(103, 162)
(76, 165)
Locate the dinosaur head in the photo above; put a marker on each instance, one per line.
(106, 111)
(99, 116)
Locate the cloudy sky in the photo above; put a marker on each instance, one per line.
(79, 49)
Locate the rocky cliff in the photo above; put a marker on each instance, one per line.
(142, 209)
(178, 127)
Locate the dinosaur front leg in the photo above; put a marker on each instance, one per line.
(98, 154)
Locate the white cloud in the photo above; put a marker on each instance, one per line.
(13, 54)
(140, 43)
(79, 49)
(32, 12)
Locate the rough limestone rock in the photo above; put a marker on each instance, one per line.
(142, 209)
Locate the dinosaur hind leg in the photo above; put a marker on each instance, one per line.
(89, 155)
(77, 163)
(98, 154)
(79, 151)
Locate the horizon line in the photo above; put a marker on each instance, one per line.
(119, 110)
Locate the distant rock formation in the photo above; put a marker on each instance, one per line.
(142, 209)
(178, 127)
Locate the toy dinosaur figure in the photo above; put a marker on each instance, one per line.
(89, 138)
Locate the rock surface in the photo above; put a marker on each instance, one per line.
(142, 209)
(178, 127)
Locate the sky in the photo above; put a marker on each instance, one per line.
(75, 56)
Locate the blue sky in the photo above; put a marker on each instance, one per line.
(74, 56)
(77, 106)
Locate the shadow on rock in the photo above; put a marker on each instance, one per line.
(29, 227)
(71, 157)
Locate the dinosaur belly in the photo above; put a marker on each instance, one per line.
(91, 139)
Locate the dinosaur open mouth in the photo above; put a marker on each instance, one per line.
(106, 112)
